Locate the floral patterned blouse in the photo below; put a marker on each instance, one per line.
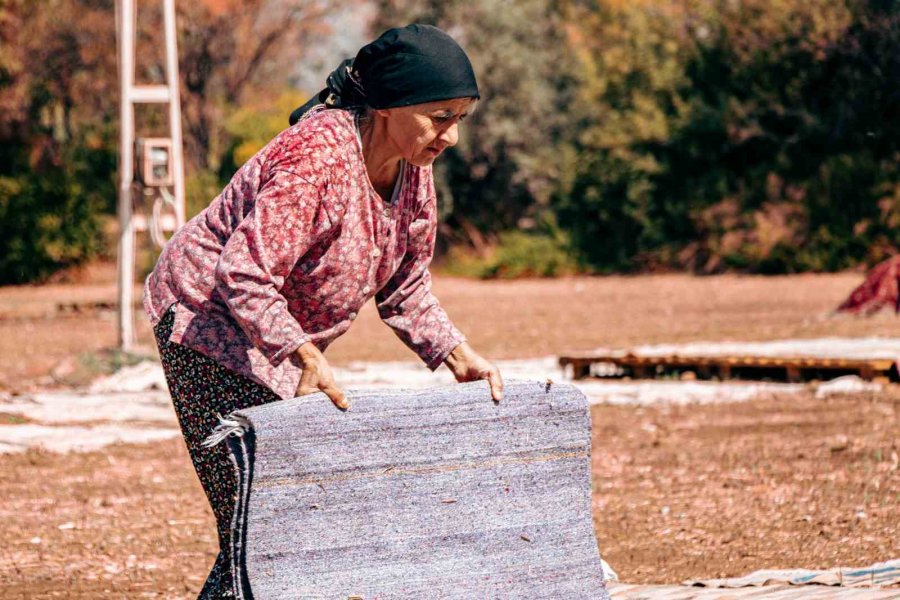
(291, 250)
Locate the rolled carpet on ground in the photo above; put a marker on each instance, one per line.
(437, 493)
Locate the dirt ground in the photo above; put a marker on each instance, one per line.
(688, 492)
(502, 319)
(680, 491)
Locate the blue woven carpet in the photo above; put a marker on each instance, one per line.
(437, 493)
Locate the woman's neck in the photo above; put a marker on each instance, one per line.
(382, 159)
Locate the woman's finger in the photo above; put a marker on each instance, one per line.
(336, 395)
(496, 382)
(307, 383)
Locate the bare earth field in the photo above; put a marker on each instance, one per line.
(680, 491)
(698, 492)
(503, 319)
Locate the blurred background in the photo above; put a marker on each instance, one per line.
(640, 175)
(757, 136)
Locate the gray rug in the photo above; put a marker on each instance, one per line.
(437, 493)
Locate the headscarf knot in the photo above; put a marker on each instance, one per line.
(404, 66)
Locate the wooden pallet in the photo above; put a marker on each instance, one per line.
(730, 367)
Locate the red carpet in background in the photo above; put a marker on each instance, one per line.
(880, 289)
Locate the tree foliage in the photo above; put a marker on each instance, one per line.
(233, 52)
(512, 151)
(758, 135)
(709, 135)
(59, 107)
(56, 132)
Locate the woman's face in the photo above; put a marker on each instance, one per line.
(421, 132)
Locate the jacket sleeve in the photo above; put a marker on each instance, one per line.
(406, 303)
(261, 253)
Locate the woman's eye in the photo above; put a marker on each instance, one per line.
(441, 118)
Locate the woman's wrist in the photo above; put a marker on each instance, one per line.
(458, 356)
(468, 365)
(307, 352)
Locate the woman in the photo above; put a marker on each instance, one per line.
(337, 209)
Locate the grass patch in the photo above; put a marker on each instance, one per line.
(13, 419)
(517, 254)
(88, 366)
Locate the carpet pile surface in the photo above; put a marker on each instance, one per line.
(437, 493)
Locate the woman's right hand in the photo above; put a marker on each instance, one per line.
(317, 376)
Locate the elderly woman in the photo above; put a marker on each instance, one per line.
(337, 209)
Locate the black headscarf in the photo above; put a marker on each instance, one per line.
(404, 66)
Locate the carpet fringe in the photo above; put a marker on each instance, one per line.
(233, 426)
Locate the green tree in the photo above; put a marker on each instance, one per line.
(511, 153)
(632, 57)
(56, 154)
(59, 108)
(857, 94)
(758, 135)
(232, 52)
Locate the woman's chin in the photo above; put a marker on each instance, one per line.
(422, 161)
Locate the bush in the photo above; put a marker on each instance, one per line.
(48, 221)
(254, 125)
(767, 143)
(200, 189)
(517, 254)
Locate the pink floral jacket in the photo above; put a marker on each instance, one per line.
(290, 251)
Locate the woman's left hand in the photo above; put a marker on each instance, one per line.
(468, 365)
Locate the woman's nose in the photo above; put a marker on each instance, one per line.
(450, 135)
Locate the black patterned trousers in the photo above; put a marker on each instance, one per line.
(201, 390)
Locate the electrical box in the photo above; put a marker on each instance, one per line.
(154, 161)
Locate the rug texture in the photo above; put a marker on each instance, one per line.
(437, 493)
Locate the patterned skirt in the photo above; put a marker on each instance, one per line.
(201, 390)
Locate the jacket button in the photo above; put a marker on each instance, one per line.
(366, 290)
(376, 253)
(352, 316)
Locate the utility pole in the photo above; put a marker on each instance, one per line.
(160, 164)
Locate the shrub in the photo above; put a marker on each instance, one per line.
(200, 188)
(516, 254)
(48, 221)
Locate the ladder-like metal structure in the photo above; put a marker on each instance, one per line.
(133, 94)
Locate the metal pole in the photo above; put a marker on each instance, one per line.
(172, 80)
(126, 13)
(130, 95)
